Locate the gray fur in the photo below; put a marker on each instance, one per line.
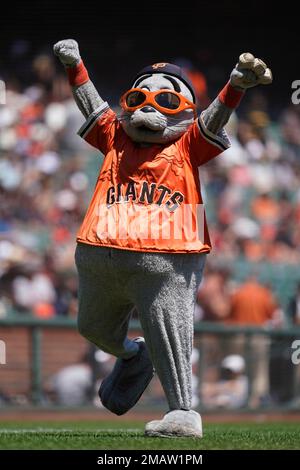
(163, 288)
(87, 98)
(216, 116)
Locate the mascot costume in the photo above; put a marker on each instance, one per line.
(144, 239)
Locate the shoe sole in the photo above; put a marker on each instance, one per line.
(173, 435)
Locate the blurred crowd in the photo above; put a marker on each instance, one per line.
(251, 193)
(45, 181)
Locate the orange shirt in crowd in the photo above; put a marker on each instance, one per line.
(252, 304)
(265, 208)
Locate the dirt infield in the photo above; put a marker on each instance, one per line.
(72, 415)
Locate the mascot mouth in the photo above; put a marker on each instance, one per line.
(147, 129)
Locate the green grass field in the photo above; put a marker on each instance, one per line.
(108, 436)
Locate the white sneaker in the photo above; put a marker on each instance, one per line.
(176, 423)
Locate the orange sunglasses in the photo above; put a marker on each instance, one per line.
(167, 101)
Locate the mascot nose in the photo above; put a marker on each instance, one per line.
(147, 109)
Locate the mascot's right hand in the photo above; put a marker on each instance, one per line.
(68, 52)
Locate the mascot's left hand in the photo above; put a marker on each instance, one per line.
(249, 72)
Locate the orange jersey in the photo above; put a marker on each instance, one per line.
(148, 198)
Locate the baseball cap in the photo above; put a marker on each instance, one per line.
(234, 362)
(168, 69)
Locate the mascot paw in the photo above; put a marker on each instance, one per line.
(249, 72)
(68, 52)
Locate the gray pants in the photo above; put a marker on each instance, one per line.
(163, 289)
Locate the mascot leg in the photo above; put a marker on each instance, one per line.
(103, 317)
(165, 297)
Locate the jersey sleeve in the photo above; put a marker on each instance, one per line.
(99, 129)
(201, 145)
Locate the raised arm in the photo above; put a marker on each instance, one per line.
(85, 94)
(248, 72)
